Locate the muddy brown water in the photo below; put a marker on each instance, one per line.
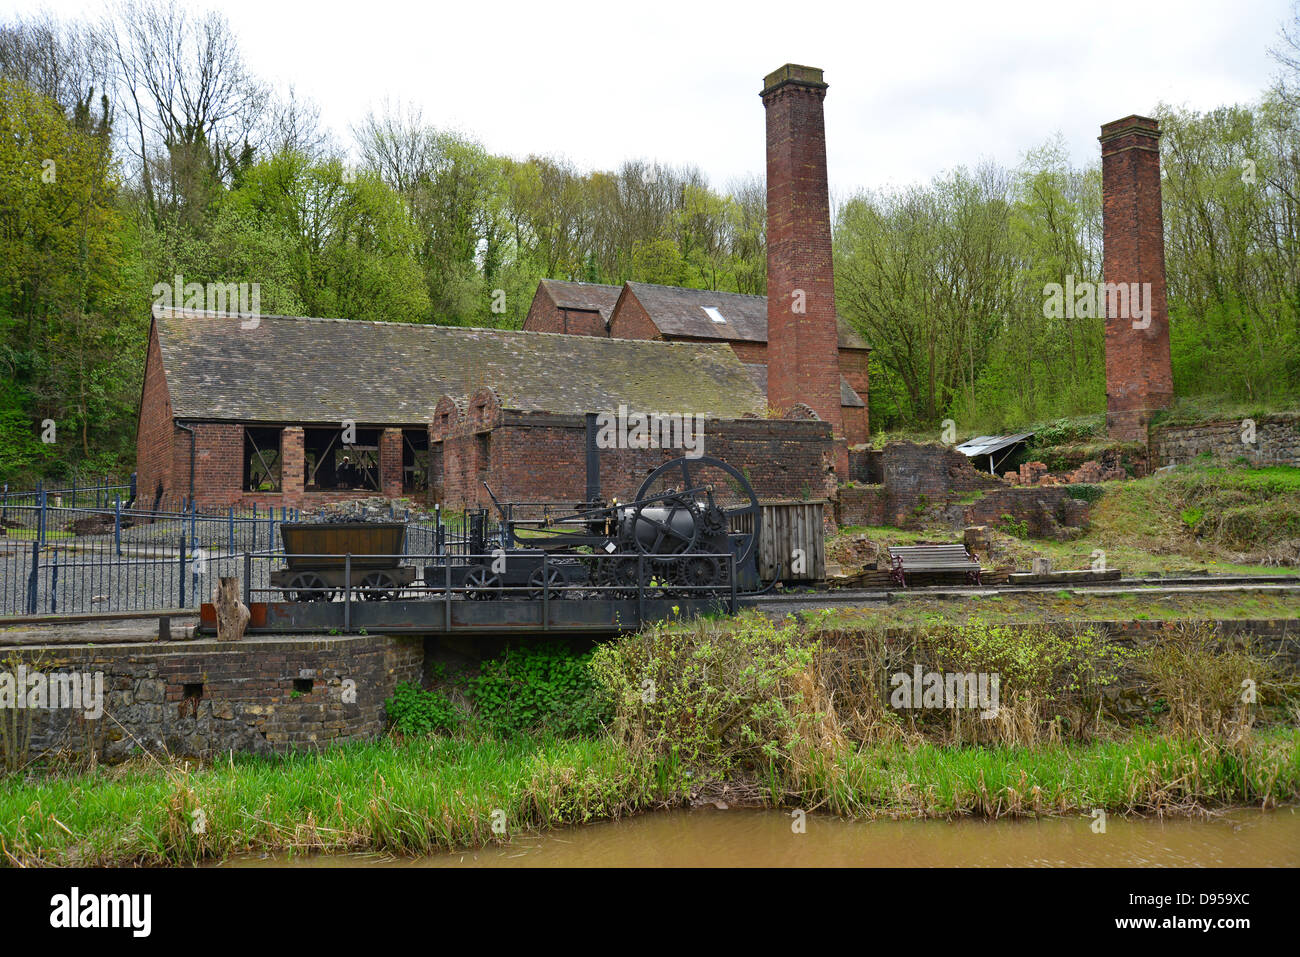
(706, 837)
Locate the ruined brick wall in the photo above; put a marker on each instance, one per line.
(803, 346)
(1277, 441)
(1139, 376)
(200, 698)
(920, 476)
(931, 482)
(863, 505)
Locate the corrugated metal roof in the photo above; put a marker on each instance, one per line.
(988, 444)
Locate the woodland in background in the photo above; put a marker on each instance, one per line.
(141, 146)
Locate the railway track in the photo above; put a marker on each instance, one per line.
(1194, 584)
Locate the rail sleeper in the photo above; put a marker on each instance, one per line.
(914, 559)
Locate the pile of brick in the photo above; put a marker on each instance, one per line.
(1036, 473)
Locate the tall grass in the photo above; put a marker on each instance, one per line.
(413, 797)
(1144, 774)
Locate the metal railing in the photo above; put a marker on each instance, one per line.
(439, 579)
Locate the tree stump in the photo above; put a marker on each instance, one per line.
(232, 614)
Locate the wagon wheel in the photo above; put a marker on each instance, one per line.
(697, 572)
(555, 582)
(722, 490)
(378, 586)
(482, 584)
(621, 574)
(302, 588)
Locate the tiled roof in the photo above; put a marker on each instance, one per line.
(582, 295)
(678, 311)
(326, 370)
(758, 372)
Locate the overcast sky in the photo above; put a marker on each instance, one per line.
(915, 88)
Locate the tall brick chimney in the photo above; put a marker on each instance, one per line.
(802, 339)
(1139, 376)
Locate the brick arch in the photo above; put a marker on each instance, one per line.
(802, 410)
(484, 408)
(447, 415)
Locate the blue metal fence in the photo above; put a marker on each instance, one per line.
(57, 559)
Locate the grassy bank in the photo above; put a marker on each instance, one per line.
(403, 797)
(781, 715)
(1229, 520)
(422, 796)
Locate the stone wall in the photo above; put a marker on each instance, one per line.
(1276, 441)
(200, 698)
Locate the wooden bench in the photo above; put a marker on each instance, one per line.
(914, 559)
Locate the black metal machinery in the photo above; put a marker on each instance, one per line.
(676, 535)
(694, 524)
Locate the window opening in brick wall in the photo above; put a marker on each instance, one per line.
(330, 465)
(261, 460)
(415, 460)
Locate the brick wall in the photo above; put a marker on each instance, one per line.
(390, 462)
(155, 438)
(545, 316)
(1277, 441)
(803, 347)
(1139, 376)
(629, 320)
(240, 696)
(219, 469)
(538, 455)
(931, 482)
(854, 366)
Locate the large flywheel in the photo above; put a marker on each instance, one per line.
(719, 496)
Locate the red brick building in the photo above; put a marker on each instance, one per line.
(301, 411)
(641, 310)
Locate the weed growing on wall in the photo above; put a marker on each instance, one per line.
(412, 710)
(540, 688)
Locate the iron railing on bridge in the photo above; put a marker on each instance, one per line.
(57, 559)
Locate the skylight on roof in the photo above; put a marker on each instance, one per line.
(712, 313)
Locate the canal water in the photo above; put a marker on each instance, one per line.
(707, 837)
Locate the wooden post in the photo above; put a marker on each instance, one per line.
(232, 614)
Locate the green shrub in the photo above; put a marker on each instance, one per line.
(1191, 517)
(535, 688)
(412, 710)
(1020, 529)
(1085, 490)
(718, 700)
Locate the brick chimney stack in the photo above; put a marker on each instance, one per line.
(802, 338)
(1139, 376)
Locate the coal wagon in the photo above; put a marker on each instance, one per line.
(324, 560)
